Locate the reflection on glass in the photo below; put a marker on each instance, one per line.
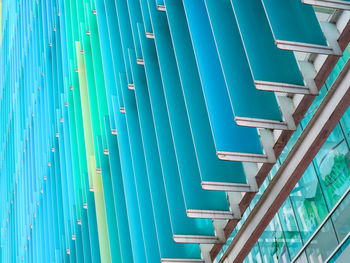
(272, 244)
(332, 164)
(302, 258)
(290, 229)
(341, 218)
(314, 106)
(338, 67)
(340, 256)
(290, 144)
(308, 203)
(345, 123)
(322, 245)
(254, 256)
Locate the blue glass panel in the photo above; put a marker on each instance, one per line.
(195, 196)
(240, 83)
(225, 131)
(140, 173)
(125, 31)
(119, 197)
(129, 185)
(146, 16)
(135, 17)
(294, 21)
(113, 59)
(211, 168)
(113, 235)
(168, 248)
(267, 62)
(181, 224)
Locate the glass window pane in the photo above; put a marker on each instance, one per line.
(345, 122)
(341, 218)
(342, 254)
(254, 256)
(290, 144)
(290, 228)
(311, 111)
(308, 203)
(322, 245)
(338, 67)
(332, 164)
(272, 244)
(302, 258)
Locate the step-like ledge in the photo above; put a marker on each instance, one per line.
(211, 214)
(344, 5)
(195, 239)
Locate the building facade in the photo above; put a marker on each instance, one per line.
(313, 222)
(174, 131)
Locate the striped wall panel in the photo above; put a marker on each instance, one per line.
(130, 130)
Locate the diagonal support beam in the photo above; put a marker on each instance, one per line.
(309, 143)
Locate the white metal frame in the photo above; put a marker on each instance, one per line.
(336, 4)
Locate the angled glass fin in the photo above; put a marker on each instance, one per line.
(212, 169)
(239, 80)
(295, 26)
(228, 136)
(268, 63)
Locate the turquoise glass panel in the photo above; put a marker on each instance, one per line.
(139, 177)
(225, 130)
(112, 114)
(112, 39)
(211, 168)
(129, 185)
(112, 225)
(195, 197)
(119, 197)
(168, 248)
(181, 224)
(267, 62)
(135, 18)
(107, 58)
(125, 31)
(345, 123)
(240, 83)
(294, 21)
(91, 213)
(146, 16)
